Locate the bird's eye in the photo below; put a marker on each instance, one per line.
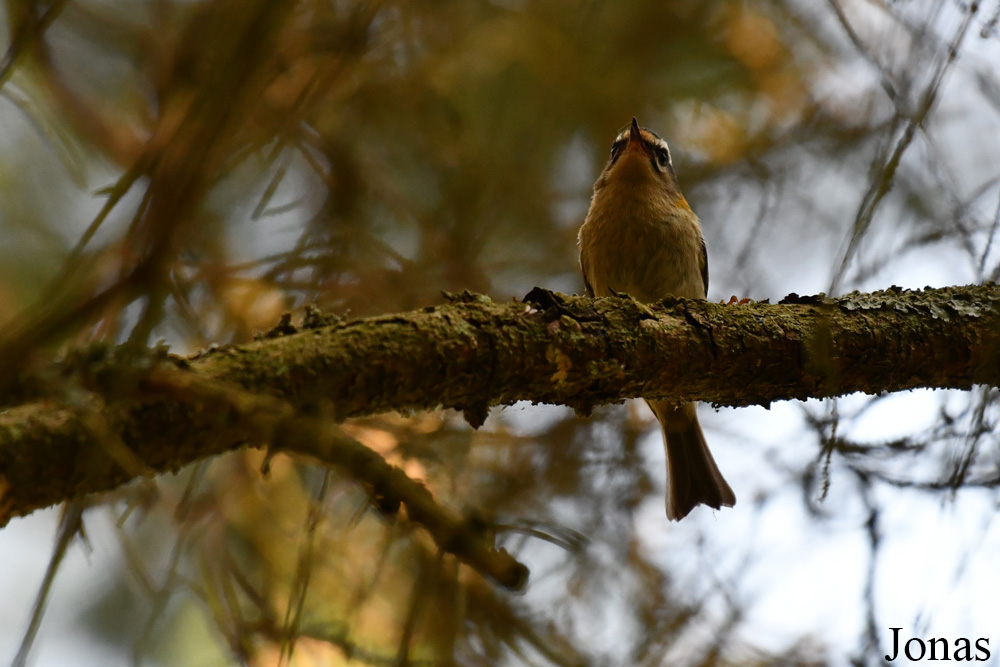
(662, 158)
(616, 148)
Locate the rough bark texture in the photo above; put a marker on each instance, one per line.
(474, 353)
(552, 348)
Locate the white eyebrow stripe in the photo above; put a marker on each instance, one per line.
(650, 139)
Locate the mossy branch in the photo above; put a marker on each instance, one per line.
(470, 354)
(474, 353)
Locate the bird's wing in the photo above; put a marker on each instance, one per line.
(586, 281)
(704, 265)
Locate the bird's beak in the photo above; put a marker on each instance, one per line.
(635, 142)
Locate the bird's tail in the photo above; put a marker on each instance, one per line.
(693, 478)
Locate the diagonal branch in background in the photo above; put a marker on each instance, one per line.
(208, 414)
(887, 164)
(473, 353)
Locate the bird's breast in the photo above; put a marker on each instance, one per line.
(642, 244)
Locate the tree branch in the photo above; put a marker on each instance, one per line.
(471, 354)
(553, 348)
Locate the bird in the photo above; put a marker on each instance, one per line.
(640, 238)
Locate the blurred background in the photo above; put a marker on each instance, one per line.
(185, 171)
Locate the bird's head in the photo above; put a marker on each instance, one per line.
(639, 157)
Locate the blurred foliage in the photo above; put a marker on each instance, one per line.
(187, 171)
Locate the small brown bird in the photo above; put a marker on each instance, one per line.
(641, 238)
